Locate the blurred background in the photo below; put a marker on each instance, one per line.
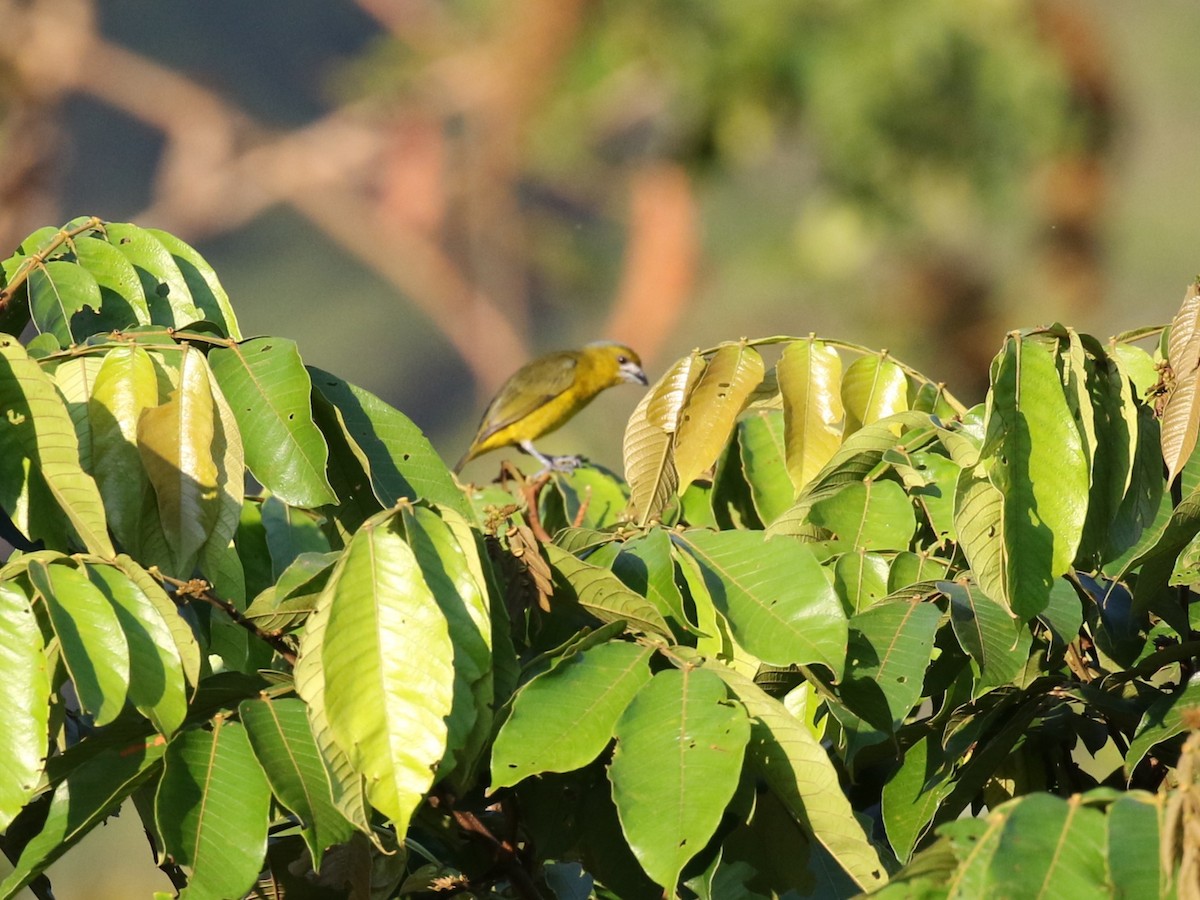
(424, 193)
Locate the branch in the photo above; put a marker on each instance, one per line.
(198, 589)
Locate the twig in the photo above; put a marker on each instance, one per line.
(198, 588)
(529, 493)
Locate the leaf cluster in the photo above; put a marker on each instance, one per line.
(832, 632)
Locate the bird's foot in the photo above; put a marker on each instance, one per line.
(564, 464)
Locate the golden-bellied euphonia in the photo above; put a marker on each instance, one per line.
(543, 394)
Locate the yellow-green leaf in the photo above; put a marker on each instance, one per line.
(650, 437)
(175, 441)
(874, 387)
(711, 408)
(810, 377)
(39, 452)
(125, 386)
(1181, 417)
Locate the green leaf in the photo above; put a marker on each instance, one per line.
(603, 595)
(181, 632)
(125, 386)
(347, 786)
(650, 439)
(58, 292)
(212, 810)
(1134, 827)
(711, 408)
(93, 644)
(890, 647)
(176, 443)
(594, 493)
(268, 388)
(873, 515)
(389, 674)
(1163, 719)
(856, 460)
(39, 454)
(392, 450)
(1047, 847)
(121, 294)
(564, 718)
(1181, 416)
(1034, 455)
(931, 480)
(157, 687)
(799, 772)
(979, 521)
(912, 795)
(810, 376)
(459, 590)
(92, 792)
(166, 290)
(75, 379)
(773, 592)
(1116, 424)
(873, 388)
(283, 743)
(646, 566)
(207, 293)
(24, 702)
(860, 578)
(761, 444)
(680, 744)
(997, 643)
(218, 560)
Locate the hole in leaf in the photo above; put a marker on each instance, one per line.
(163, 289)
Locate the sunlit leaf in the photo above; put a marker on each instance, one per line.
(92, 792)
(388, 667)
(602, 594)
(810, 375)
(39, 453)
(392, 450)
(873, 388)
(761, 445)
(1181, 417)
(711, 407)
(24, 702)
(773, 592)
(166, 290)
(212, 810)
(650, 436)
(268, 389)
(680, 744)
(282, 741)
(562, 719)
(176, 443)
(125, 386)
(1034, 456)
(93, 643)
(207, 293)
(799, 772)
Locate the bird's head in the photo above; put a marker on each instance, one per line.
(618, 361)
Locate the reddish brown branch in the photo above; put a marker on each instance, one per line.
(198, 589)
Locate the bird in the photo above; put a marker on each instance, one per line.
(545, 393)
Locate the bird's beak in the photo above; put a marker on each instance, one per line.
(631, 371)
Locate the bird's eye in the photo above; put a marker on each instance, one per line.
(621, 360)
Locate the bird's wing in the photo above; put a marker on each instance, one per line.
(532, 387)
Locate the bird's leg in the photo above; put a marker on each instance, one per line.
(551, 463)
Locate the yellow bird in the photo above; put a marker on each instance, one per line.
(543, 394)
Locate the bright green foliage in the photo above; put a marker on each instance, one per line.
(831, 631)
